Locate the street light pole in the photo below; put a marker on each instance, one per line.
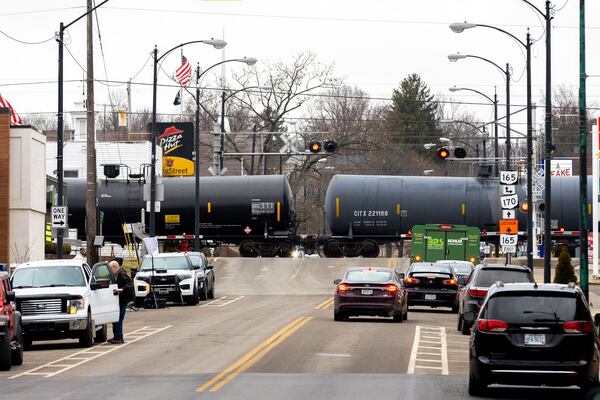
(60, 128)
(460, 27)
(496, 149)
(197, 164)
(507, 73)
(216, 43)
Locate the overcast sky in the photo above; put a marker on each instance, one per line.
(373, 44)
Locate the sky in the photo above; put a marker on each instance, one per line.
(373, 45)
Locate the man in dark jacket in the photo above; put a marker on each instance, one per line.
(126, 294)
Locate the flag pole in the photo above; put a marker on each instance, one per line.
(181, 91)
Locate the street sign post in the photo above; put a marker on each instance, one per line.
(509, 226)
(59, 217)
(509, 202)
(509, 214)
(508, 240)
(506, 190)
(509, 177)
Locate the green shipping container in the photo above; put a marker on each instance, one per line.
(435, 242)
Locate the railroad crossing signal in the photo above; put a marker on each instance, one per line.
(59, 217)
(443, 153)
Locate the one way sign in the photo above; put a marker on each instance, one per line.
(59, 217)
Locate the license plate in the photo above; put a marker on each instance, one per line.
(535, 340)
(163, 291)
(366, 291)
(430, 297)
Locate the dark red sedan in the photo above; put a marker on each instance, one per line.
(370, 291)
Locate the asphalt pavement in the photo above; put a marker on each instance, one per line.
(269, 334)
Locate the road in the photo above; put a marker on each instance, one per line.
(269, 334)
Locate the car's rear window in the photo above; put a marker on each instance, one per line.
(435, 268)
(460, 268)
(516, 309)
(368, 276)
(487, 277)
(165, 263)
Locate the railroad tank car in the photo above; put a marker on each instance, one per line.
(254, 212)
(364, 211)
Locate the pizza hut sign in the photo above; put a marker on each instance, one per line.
(561, 167)
(177, 141)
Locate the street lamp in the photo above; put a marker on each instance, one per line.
(60, 129)
(506, 74)
(459, 27)
(217, 44)
(199, 76)
(495, 103)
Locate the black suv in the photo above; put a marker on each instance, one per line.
(472, 294)
(533, 334)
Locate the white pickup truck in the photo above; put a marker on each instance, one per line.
(65, 299)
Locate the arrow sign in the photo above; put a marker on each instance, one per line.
(59, 217)
(509, 214)
(508, 190)
(509, 226)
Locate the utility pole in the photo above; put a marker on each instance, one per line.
(583, 201)
(90, 199)
(548, 149)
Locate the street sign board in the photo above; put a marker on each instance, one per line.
(59, 217)
(509, 202)
(509, 226)
(508, 240)
(509, 214)
(508, 177)
(505, 190)
(509, 249)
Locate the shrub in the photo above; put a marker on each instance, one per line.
(565, 272)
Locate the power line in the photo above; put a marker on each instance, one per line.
(24, 41)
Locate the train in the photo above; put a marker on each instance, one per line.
(363, 212)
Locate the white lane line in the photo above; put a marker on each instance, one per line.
(444, 352)
(426, 367)
(295, 273)
(222, 301)
(93, 351)
(341, 355)
(428, 360)
(413, 352)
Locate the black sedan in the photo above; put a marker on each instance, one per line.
(432, 284)
(370, 291)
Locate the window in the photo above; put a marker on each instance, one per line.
(71, 174)
(196, 261)
(541, 308)
(101, 273)
(48, 276)
(487, 277)
(431, 268)
(164, 263)
(368, 276)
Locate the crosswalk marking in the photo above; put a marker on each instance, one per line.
(434, 338)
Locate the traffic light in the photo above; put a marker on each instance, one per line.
(459, 152)
(541, 207)
(524, 206)
(443, 153)
(326, 147)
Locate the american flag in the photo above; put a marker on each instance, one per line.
(184, 73)
(15, 118)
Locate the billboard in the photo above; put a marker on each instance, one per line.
(561, 167)
(176, 139)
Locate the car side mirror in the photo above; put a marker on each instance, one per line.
(337, 281)
(196, 267)
(596, 320)
(99, 285)
(462, 281)
(209, 267)
(10, 296)
(469, 317)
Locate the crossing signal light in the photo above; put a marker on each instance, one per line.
(326, 147)
(524, 206)
(541, 207)
(459, 152)
(443, 153)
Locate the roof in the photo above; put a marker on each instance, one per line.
(370, 267)
(453, 262)
(535, 287)
(166, 255)
(52, 263)
(502, 266)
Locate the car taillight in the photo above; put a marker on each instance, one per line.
(478, 292)
(451, 282)
(491, 325)
(577, 327)
(411, 281)
(391, 288)
(342, 287)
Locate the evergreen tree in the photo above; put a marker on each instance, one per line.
(565, 272)
(413, 114)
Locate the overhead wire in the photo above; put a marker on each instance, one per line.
(26, 42)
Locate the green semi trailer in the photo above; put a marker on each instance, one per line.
(435, 242)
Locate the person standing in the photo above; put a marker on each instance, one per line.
(125, 290)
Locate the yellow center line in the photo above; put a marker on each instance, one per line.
(260, 355)
(324, 304)
(239, 363)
